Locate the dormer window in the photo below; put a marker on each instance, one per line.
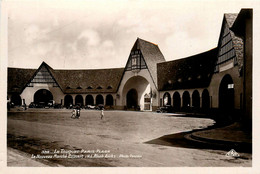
(68, 87)
(109, 87)
(89, 87)
(99, 87)
(79, 87)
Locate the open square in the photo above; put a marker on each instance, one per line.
(121, 138)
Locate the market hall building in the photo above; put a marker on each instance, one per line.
(220, 78)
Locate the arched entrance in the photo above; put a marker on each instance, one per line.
(196, 99)
(176, 101)
(79, 100)
(16, 99)
(186, 100)
(68, 100)
(109, 100)
(226, 93)
(42, 96)
(137, 93)
(131, 99)
(205, 99)
(99, 100)
(89, 100)
(167, 99)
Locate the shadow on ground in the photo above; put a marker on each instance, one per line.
(178, 139)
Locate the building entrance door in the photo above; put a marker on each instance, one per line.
(131, 99)
(43, 97)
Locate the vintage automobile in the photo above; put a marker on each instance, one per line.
(90, 107)
(165, 109)
(99, 107)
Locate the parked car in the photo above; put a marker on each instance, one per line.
(99, 107)
(51, 103)
(32, 105)
(165, 109)
(90, 107)
(57, 106)
(40, 105)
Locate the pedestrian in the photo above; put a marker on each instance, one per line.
(78, 112)
(73, 113)
(102, 113)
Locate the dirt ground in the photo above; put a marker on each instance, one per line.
(121, 138)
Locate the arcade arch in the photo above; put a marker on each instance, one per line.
(166, 99)
(109, 100)
(42, 96)
(16, 99)
(99, 100)
(68, 100)
(196, 99)
(89, 100)
(186, 100)
(226, 93)
(79, 100)
(176, 101)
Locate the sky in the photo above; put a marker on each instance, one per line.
(100, 34)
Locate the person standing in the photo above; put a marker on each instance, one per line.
(102, 113)
(77, 111)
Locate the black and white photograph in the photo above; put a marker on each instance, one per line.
(101, 84)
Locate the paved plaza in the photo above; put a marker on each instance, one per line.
(49, 137)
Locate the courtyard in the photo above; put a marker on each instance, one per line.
(120, 139)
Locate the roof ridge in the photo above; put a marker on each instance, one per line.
(147, 41)
(87, 69)
(192, 56)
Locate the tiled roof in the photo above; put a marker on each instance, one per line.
(18, 78)
(230, 18)
(192, 72)
(90, 81)
(237, 41)
(152, 55)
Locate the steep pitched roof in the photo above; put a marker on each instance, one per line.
(152, 55)
(230, 18)
(192, 72)
(18, 79)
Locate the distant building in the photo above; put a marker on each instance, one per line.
(220, 78)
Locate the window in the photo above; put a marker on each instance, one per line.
(230, 86)
(135, 61)
(43, 76)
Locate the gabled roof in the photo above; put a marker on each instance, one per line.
(191, 72)
(18, 79)
(229, 19)
(152, 55)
